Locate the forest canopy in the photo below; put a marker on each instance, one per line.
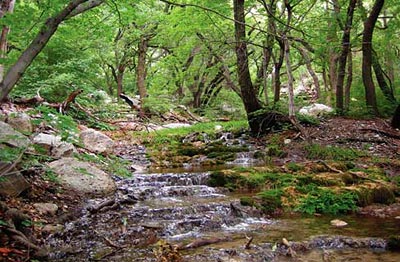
(213, 56)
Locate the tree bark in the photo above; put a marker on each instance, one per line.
(349, 81)
(47, 31)
(369, 86)
(310, 70)
(380, 77)
(343, 57)
(277, 71)
(290, 78)
(141, 70)
(6, 6)
(249, 97)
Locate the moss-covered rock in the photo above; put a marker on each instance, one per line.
(375, 193)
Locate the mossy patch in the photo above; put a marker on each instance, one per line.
(372, 193)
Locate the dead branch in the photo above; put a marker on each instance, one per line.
(70, 99)
(202, 242)
(108, 203)
(381, 132)
(330, 167)
(250, 239)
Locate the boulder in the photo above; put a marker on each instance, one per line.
(315, 110)
(12, 183)
(21, 122)
(83, 177)
(54, 146)
(8, 135)
(46, 141)
(96, 141)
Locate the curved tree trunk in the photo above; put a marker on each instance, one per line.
(42, 38)
(343, 57)
(249, 97)
(386, 89)
(369, 86)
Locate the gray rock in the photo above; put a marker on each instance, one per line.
(12, 183)
(21, 122)
(316, 110)
(46, 141)
(96, 141)
(83, 177)
(63, 149)
(54, 146)
(46, 208)
(10, 136)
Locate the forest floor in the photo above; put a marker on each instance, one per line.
(372, 135)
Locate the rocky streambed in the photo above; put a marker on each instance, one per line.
(177, 217)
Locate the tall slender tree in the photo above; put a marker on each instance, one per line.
(369, 25)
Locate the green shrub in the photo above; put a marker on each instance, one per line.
(328, 202)
(270, 200)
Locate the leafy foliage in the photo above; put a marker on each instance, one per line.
(316, 151)
(328, 202)
(65, 124)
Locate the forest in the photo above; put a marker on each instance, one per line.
(281, 110)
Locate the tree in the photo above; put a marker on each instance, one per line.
(346, 48)
(249, 97)
(6, 6)
(369, 85)
(16, 71)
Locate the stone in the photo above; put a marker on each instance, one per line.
(96, 141)
(9, 136)
(12, 183)
(51, 229)
(53, 145)
(83, 177)
(338, 223)
(46, 208)
(46, 141)
(316, 110)
(175, 125)
(63, 149)
(21, 122)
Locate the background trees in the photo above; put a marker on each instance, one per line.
(170, 52)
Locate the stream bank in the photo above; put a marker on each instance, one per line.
(178, 217)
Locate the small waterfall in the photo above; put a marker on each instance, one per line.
(174, 207)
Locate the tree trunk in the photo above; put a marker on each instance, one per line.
(349, 81)
(277, 71)
(396, 118)
(120, 79)
(310, 70)
(249, 97)
(7, 6)
(369, 86)
(380, 77)
(211, 87)
(225, 68)
(290, 78)
(141, 70)
(42, 38)
(343, 57)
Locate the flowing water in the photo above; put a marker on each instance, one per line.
(209, 224)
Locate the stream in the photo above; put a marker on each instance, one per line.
(152, 213)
